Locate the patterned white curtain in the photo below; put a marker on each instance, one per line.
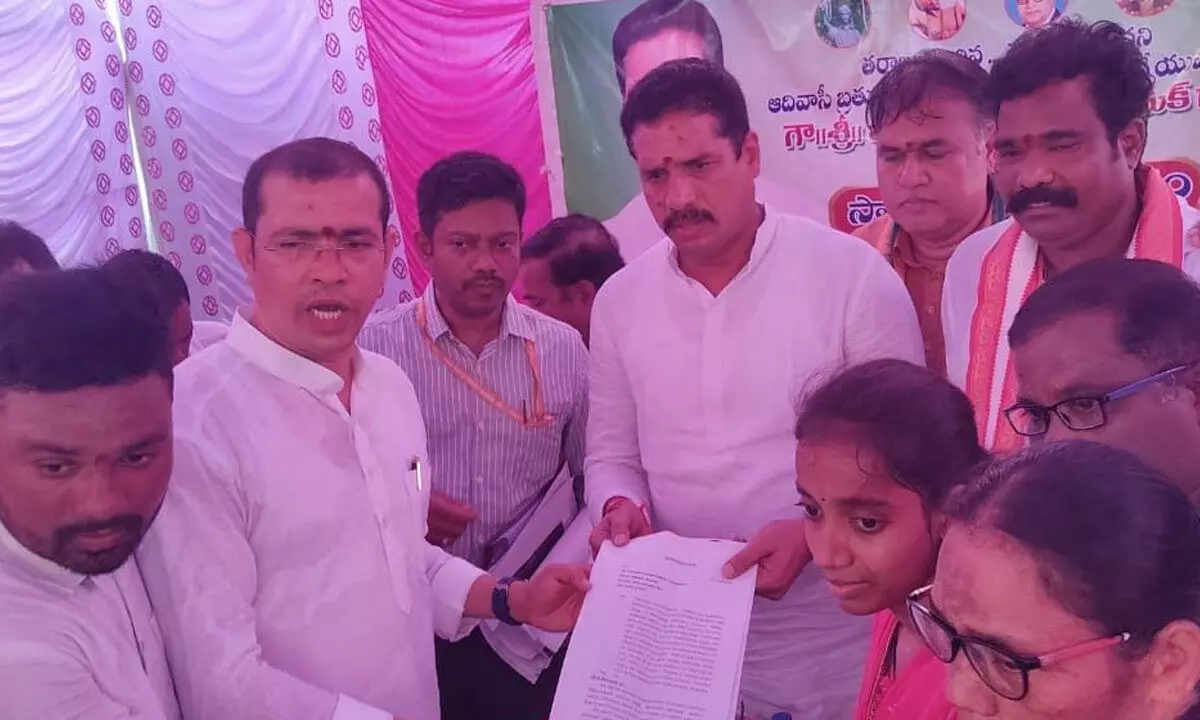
(66, 164)
(219, 82)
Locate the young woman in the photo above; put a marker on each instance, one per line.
(1068, 587)
(880, 446)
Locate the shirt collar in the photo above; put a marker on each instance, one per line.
(37, 565)
(513, 318)
(764, 237)
(284, 364)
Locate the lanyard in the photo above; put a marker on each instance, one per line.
(522, 416)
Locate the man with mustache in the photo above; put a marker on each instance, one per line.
(289, 566)
(931, 121)
(649, 35)
(1069, 145)
(85, 455)
(503, 389)
(1038, 13)
(701, 349)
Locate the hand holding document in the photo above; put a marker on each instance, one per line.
(661, 635)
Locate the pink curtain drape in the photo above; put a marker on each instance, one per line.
(455, 75)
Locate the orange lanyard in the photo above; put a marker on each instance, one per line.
(521, 416)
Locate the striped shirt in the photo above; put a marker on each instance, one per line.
(478, 455)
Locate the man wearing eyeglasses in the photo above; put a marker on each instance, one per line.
(1108, 351)
(1070, 147)
(289, 565)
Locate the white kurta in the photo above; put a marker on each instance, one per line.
(288, 566)
(75, 647)
(961, 294)
(693, 408)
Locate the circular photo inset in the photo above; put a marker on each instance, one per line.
(842, 23)
(1031, 14)
(1144, 8)
(937, 19)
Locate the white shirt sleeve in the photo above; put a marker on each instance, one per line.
(614, 466)
(201, 574)
(880, 319)
(39, 682)
(450, 580)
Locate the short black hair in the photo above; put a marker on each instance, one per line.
(76, 329)
(578, 248)
(1117, 73)
(463, 178)
(656, 16)
(313, 159)
(17, 244)
(1156, 306)
(918, 78)
(688, 85)
(1116, 543)
(149, 271)
(918, 423)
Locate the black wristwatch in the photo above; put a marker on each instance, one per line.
(500, 606)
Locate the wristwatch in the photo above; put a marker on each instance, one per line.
(500, 606)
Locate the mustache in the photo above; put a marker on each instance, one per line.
(686, 215)
(483, 280)
(1059, 197)
(130, 524)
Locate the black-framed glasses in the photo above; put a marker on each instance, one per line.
(1085, 412)
(1005, 672)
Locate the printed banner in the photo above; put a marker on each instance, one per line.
(806, 67)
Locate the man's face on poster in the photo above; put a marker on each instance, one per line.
(670, 44)
(845, 15)
(1036, 13)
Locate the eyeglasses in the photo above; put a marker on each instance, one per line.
(1005, 672)
(1086, 412)
(304, 249)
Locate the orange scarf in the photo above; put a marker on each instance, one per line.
(1012, 269)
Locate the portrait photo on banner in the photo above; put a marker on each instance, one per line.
(806, 68)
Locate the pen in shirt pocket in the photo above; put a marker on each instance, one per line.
(414, 465)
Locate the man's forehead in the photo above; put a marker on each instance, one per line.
(1081, 350)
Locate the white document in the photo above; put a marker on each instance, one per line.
(661, 635)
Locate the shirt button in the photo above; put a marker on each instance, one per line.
(479, 424)
(478, 479)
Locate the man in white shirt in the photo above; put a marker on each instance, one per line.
(701, 350)
(85, 455)
(289, 565)
(1069, 144)
(653, 33)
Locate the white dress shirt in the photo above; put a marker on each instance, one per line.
(961, 294)
(205, 333)
(693, 409)
(288, 564)
(77, 647)
(637, 231)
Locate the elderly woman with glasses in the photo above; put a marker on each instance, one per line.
(1067, 587)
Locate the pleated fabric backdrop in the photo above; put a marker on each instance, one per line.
(211, 84)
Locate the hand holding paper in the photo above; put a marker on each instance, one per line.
(552, 599)
(623, 521)
(780, 551)
(661, 636)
